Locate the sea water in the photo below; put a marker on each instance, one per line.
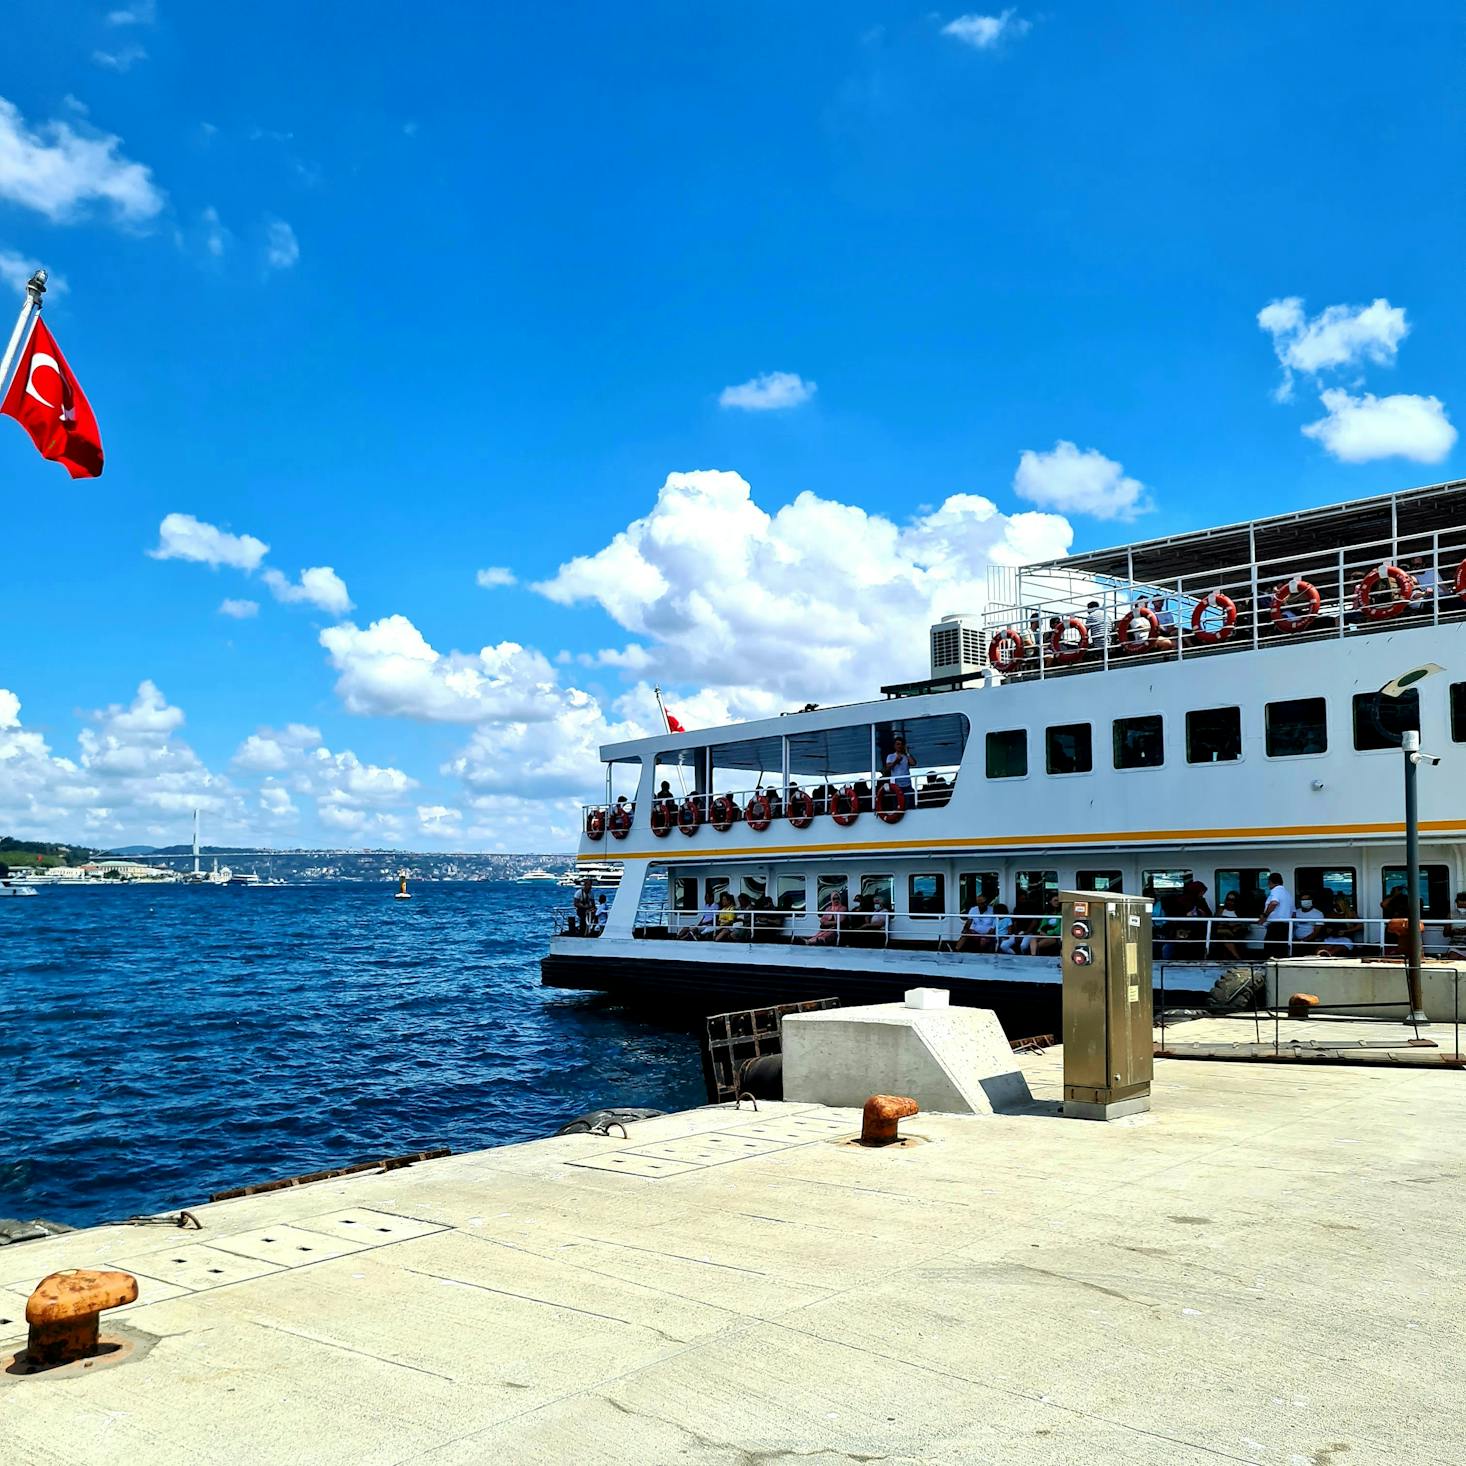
(159, 1043)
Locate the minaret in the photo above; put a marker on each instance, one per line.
(195, 844)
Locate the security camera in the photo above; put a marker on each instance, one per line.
(1425, 758)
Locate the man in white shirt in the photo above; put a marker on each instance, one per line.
(1278, 915)
(981, 929)
(706, 926)
(898, 765)
(1309, 931)
(876, 922)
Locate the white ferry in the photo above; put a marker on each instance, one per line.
(604, 874)
(1197, 708)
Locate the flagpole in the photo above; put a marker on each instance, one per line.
(35, 288)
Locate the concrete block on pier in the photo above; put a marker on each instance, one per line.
(951, 1060)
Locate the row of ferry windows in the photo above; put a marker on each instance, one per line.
(1292, 728)
(926, 891)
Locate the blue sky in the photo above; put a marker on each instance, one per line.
(413, 301)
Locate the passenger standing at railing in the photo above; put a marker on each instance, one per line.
(1277, 916)
(585, 905)
(1097, 626)
(898, 765)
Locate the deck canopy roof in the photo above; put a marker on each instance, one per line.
(1407, 519)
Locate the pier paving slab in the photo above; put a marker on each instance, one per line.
(1262, 1269)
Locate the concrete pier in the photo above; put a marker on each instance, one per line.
(1266, 1268)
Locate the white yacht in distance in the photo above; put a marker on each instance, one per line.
(539, 876)
(605, 875)
(1192, 711)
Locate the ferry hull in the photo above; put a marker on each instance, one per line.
(1025, 993)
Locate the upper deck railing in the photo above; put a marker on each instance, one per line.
(1061, 620)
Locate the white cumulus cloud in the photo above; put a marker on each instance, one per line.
(768, 393)
(282, 249)
(495, 575)
(239, 610)
(820, 601)
(1361, 429)
(318, 586)
(1339, 336)
(123, 59)
(58, 171)
(182, 537)
(984, 32)
(1079, 481)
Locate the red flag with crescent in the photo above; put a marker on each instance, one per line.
(47, 401)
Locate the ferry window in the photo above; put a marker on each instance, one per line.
(1213, 735)
(1163, 882)
(1249, 883)
(926, 895)
(1069, 749)
(1139, 742)
(831, 887)
(1458, 712)
(1099, 880)
(1435, 887)
(934, 742)
(1008, 754)
(971, 882)
(1395, 714)
(684, 893)
(1032, 889)
(754, 887)
(1296, 727)
(878, 888)
(789, 893)
(712, 888)
(1314, 880)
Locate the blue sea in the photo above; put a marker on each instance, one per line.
(158, 1043)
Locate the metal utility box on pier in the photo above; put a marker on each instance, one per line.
(1108, 1047)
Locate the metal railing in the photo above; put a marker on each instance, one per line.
(849, 796)
(1052, 628)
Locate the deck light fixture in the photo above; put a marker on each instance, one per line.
(1409, 742)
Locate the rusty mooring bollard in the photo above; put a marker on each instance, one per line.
(1300, 1005)
(878, 1119)
(63, 1312)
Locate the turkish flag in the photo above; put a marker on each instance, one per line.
(47, 401)
(673, 726)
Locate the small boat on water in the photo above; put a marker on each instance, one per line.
(251, 878)
(539, 876)
(6, 889)
(403, 894)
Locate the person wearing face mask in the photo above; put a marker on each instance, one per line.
(1308, 925)
(1455, 932)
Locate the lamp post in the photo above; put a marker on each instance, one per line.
(1409, 742)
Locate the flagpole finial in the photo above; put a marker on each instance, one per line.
(36, 287)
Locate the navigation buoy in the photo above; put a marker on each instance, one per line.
(403, 894)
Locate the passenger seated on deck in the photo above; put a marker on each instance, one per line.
(727, 917)
(1308, 926)
(776, 805)
(740, 929)
(1045, 941)
(1229, 931)
(1005, 939)
(878, 922)
(767, 919)
(1396, 911)
(832, 924)
(935, 791)
(1342, 929)
(979, 932)
(1186, 935)
(1455, 931)
(706, 924)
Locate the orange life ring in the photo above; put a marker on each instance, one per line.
(890, 814)
(757, 821)
(1219, 602)
(1404, 584)
(1062, 651)
(1006, 661)
(1295, 587)
(1123, 630)
(595, 824)
(663, 813)
(619, 822)
(850, 797)
(1461, 579)
(721, 814)
(805, 801)
(689, 815)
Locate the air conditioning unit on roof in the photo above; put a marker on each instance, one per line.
(959, 647)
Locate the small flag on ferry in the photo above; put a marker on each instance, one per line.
(47, 401)
(673, 726)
